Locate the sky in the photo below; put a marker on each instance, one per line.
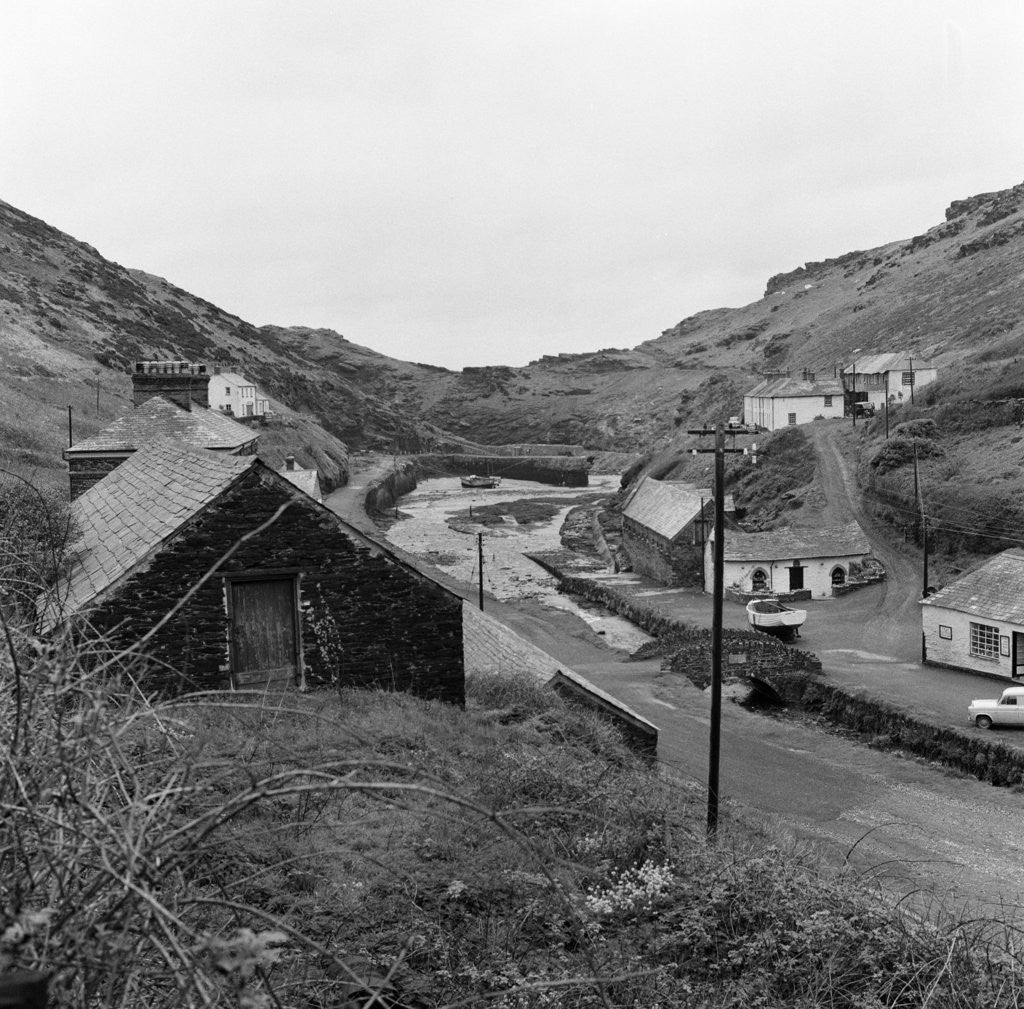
(470, 182)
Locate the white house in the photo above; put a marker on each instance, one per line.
(233, 393)
(782, 401)
(977, 622)
(788, 560)
(880, 377)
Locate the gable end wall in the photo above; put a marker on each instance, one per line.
(365, 619)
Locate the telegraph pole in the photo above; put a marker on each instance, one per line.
(715, 741)
(480, 562)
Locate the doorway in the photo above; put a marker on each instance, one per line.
(264, 632)
(1017, 655)
(796, 577)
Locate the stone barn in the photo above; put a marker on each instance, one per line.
(663, 530)
(226, 575)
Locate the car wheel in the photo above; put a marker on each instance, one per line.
(983, 722)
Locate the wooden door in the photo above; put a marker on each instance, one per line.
(264, 638)
(796, 577)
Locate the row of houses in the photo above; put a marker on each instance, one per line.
(783, 401)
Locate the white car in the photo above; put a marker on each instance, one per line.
(1007, 710)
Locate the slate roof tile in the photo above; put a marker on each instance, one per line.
(664, 507)
(131, 511)
(160, 418)
(791, 544)
(784, 387)
(994, 591)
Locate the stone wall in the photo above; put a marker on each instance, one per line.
(557, 470)
(366, 618)
(656, 557)
(383, 494)
(83, 472)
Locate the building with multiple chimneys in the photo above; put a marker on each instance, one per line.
(171, 400)
(232, 393)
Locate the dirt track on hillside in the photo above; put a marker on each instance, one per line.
(896, 606)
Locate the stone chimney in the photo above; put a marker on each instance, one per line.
(179, 381)
(289, 462)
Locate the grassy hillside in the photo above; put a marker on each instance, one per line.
(950, 294)
(313, 850)
(967, 431)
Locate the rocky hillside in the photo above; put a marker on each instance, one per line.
(69, 319)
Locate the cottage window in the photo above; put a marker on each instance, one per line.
(792, 418)
(828, 401)
(984, 641)
(907, 378)
(759, 580)
(838, 575)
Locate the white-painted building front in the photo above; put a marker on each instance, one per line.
(233, 393)
(789, 560)
(977, 622)
(780, 402)
(887, 376)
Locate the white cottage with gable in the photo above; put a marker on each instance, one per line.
(783, 401)
(977, 622)
(790, 560)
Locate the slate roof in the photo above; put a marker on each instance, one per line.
(791, 544)
(664, 507)
(233, 378)
(307, 480)
(878, 364)
(128, 514)
(160, 418)
(995, 591)
(787, 388)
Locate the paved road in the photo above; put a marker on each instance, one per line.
(913, 828)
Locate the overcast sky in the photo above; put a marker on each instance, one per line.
(476, 182)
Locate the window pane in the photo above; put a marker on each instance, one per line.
(984, 640)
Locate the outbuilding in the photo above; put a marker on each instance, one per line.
(876, 378)
(780, 561)
(663, 529)
(977, 622)
(224, 574)
(782, 401)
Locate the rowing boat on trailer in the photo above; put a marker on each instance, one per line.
(773, 617)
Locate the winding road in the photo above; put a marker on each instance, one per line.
(923, 835)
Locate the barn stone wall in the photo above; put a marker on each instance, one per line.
(658, 558)
(366, 619)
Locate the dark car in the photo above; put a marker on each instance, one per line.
(865, 409)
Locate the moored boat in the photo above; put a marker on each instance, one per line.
(773, 617)
(480, 481)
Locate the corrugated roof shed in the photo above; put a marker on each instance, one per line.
(133, 510)
(995, 591)
(157, 418)
(665, 508)
(791, 544)
(785, 387)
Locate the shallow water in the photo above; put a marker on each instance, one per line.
(424, 530)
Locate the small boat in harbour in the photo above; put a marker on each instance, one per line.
(480, 481)
(773, 617)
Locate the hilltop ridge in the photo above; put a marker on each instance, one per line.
(70, 318)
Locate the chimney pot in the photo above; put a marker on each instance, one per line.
(289, 462)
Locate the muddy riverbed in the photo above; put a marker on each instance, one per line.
(441, 521)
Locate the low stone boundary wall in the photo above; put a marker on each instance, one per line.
(887, 728)
(557, 470)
